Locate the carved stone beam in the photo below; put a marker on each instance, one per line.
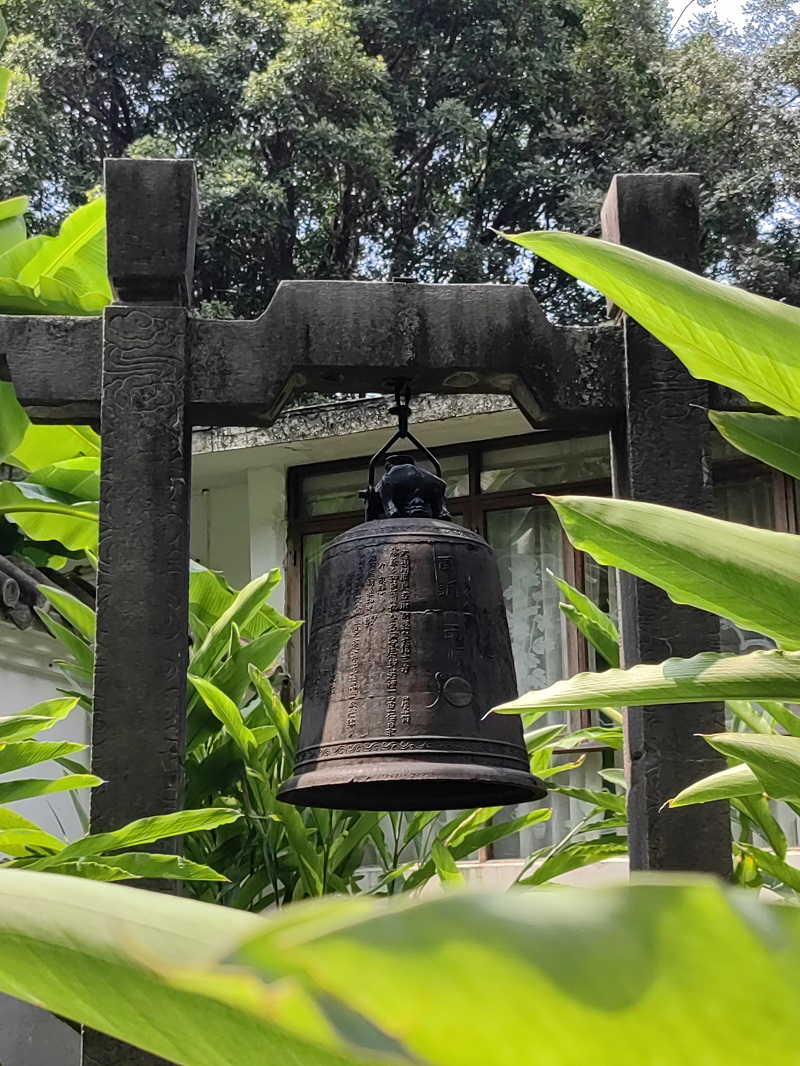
(342, 336)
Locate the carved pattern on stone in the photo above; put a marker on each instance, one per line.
(142, 593)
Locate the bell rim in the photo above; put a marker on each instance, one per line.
(506, 785)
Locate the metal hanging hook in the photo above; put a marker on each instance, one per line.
(402, 409)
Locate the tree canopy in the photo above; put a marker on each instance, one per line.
(375, 138)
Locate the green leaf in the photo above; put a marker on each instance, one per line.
(101, 955)
(20, 843)
(445, 865)
(75, 645)
(773, 439)
(229, 714)
(587, 971)
(773, 865)
(31, 752)
(44, 515)
(751, 576)
(45, 445)
(774, 759)
(784, 716)
(13, 420)
(720, 333)
(11, 791)
(607, 801)
(587, 617)
(77, 256)
(149, 830)
(136, 864)
(12, 222)
(757, 809)
(78, 614)
(575, 857)
(42, 716)
(732, 783)
(709, 676)
(79, 477)
(240, 611)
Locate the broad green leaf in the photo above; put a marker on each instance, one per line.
(42, 716)
(445, 865)
(11, 820)
(276, 713)
(757, 809)
(706, 677)
(720, 333)
(12, 221)
(607, 801)
(75, 645)
(229, 714)
(540, 738)
(149, 830)
(731, 783)
(773, 865)
(586, 974)
(79, 477)
(245, 605)
(783, 715)
(14, 259)
(122, 961)
(136, 864)
(587, 617)
(750, 714)
(19, 843)
(773, 439)
(774, 759)
(575, 857)
(13, 420)
(79, 615)
(28, 788)
(77, 256)
(31, 752)
(45, 515)
(45, 445)
(749, 575)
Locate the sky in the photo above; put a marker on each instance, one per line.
(729, 10)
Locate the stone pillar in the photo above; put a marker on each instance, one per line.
(139, 716)
(661, 454)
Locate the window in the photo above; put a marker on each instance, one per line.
(492, 489)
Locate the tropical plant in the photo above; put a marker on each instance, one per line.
(707, 974)
(743, 574)
(62, 275)
(99, 856)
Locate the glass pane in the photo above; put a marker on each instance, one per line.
(313, 546)
(336, 491)
(552, 462)
(749, 501)
(528, 542)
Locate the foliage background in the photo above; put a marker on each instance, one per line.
(371, 138)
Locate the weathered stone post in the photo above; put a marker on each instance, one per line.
(138, 733)
(661, 452)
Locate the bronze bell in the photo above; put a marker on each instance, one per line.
(409, 648)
